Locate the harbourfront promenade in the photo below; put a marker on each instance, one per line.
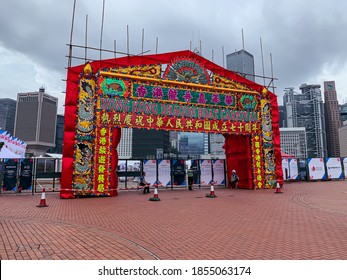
(308, 221)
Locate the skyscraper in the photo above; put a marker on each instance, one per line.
(306, 110)
(216, 145)
(282, 112)
(332, 119)
(35, 123)
(191, 144)
(241, 62)
(125, 147)
(343, 142)
(343, 113)
(147, 142)
(293, 141)
(59, 135)
(7, 114)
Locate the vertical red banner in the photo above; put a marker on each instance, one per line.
(258, 172)
(102, 163)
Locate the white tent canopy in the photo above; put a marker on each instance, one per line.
(12, 147)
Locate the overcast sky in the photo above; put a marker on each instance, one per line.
(307, 39)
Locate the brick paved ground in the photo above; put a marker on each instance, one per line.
(307, 221)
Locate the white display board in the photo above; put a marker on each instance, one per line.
(345, 166)
(164, 169)
(218, 172)
(293, 169)
(285, 168)
(150, 167)
(334, 168)
(316, 169)
(206, 171)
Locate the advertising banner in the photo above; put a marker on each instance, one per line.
(345, 166)
(164, 172)
(150, 167)
(11, 147)
(26, 172)
(10, 175)
(293, 169)
(334, 168)
(218, 172)
(195, 167)
(316, 169)
(206, 171)
(179, 174)
(285, 168)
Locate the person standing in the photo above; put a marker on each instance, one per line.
(144, 183)
(190, 178)
(234, 179)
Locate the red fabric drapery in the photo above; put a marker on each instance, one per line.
(238, 157)
(276, 137)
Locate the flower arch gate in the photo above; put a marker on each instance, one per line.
(172, 91)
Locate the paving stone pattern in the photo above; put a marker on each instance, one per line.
(306, 221)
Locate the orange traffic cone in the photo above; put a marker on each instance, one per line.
(156, 196)
(212, 194)
(43, 199)
(278, 188)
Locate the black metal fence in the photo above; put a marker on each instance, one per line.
(30, 175)
(33, 174)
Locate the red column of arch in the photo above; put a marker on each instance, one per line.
(238, 157)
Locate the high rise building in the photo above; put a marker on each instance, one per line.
(332, 119)
(191, 144)
(293, 141)
(147, 143)
(125, 146)
(241, 62)
(306, 109)
(183, 145)
(216, 145)
(7, 114)
(343, 112)
(282, 112)
(59, 135)
(35, 123)
(343, 142)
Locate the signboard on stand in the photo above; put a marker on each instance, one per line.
(150, 168)
(345, 166)
(10, 175)
(26, 172)
(206, 172)
(316, 169)
(179, 174)
(218, 172)
(195, 167)
(285, 168)
(334, 168)
(164, 172)
(293, 169)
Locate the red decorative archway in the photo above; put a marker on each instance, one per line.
(172, 91)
